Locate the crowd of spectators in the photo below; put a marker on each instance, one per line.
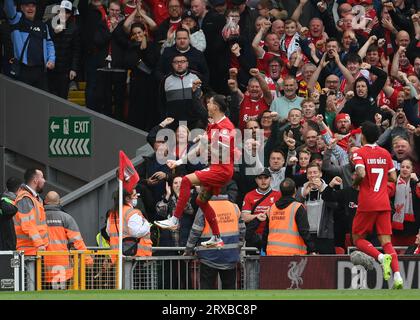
(307, 73)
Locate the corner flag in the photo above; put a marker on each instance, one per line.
(127, 173)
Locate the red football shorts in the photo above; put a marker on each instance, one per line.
(363, 222)
(215, 177)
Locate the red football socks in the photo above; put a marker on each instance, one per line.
(389, 249)
(184, 196)
(366, 247)
(210, 216)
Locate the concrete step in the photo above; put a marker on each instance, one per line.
(81, 85)
(79, 101)
(76, 94)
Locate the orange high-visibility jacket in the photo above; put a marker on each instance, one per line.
(283, 234)
(144, 247)
(63, 231)
(30, 225)
(227, 215)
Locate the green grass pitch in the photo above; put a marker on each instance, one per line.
(413, 294)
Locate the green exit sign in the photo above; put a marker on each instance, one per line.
(70, 136)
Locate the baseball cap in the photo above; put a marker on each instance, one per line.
(238, 2)
(265, 172)
(28, 1)
(65, 4)
(216, 3)
(189, 14)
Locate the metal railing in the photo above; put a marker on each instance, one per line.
(94, 269)
(173, 271)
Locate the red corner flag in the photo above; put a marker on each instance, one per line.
(127, 173)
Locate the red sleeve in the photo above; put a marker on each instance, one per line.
(357, 159)
(246, 205)
(418, 191)
(393, 98)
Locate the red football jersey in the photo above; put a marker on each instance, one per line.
(373, 193)
(252, 197)
(251, 108)
(221, 136)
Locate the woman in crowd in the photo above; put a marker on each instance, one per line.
(141, 58)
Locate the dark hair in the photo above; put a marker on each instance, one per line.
(315, 156)
(331, 40)
(352, 57)
(276, 150)
(138, 25)
(181, 29)
(277, 59)
(361, 79)
(13, 184)
(266, 4)
(29, 175)
(179, 55)
(221, 101)
(313, 164)
(115, 197)
(370, 131)
(372, 47)
(287, 187)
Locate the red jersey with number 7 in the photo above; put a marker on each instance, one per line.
(373, 193)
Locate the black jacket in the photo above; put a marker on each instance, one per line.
(118, 40)
(134, 54)
(301, 219)
(7, 228)
(346, 199)
(364, 109)
(196, 63)
(90, 18)
(67, 47)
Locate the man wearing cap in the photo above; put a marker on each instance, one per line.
(66, 37)
(287, 228)
(197, 38)
(32, 44)
(255, 207)
(220, 6)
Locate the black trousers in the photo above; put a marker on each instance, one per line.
(110, 93)
(58, 83)
(34, 76)
(208, 277)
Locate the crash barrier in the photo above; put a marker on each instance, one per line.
(96, 269)
(254, 272)
(168, 269)
(332, 272)
(76, 270)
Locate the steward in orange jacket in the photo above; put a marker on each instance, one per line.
(287, 228)
(135, 225)
(30, 223)
(64, 234)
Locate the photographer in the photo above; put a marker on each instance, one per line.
(320, 215)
